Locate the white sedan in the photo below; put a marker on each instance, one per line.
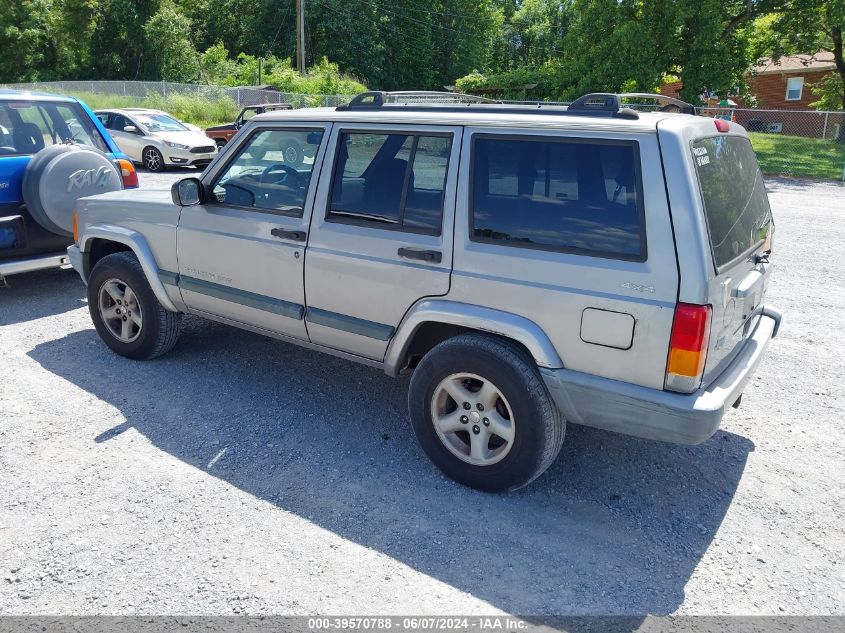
(156, 139)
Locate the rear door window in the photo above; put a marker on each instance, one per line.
(734, 196)
(393, 181)
(566, 195)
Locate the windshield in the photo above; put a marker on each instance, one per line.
(735, 201)
(27, 127)
(160, 123)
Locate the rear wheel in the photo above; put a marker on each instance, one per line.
(125, 311)
(482, 413)
(153, 160)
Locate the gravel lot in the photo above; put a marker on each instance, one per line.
(244, 475)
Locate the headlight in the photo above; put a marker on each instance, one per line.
(176, 145)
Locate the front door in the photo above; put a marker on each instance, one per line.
(241, 251)
(130, 143)
(382, 232)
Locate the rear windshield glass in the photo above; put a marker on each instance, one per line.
(735, 200)
(27, 127)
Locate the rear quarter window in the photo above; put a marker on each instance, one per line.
(567, 195)
(735, 202)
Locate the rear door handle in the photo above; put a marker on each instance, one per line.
(296, 236)
(434, 257)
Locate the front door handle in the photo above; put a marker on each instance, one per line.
(434, 257)
(296, 236)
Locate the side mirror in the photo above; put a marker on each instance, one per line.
(186, 192)
(131, 129)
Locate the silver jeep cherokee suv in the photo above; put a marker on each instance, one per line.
(530, 265)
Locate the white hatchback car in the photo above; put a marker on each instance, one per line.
(157, 139)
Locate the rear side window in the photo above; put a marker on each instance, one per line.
(565, 195)
(27, 127)
(393, 181)
(735, 201)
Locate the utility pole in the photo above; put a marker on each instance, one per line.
(300, 35)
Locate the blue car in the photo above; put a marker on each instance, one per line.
(53, 151)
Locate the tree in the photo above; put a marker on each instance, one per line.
(168, 38)
(118, 50)
(810, 26)
(27, 52)
(72, 24)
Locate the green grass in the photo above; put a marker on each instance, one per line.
(199, 110)
(799, 156)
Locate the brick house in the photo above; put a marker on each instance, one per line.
(782, 85)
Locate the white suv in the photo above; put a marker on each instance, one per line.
(156, 139)
(527, 265)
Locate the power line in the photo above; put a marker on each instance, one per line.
(281, 24)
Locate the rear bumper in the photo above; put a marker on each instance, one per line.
(30, 264)
(660, 415)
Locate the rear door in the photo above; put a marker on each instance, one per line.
(740, 226)
(381, 237)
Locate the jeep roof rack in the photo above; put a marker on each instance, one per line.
(594, 104)
(600, 104)
(671, 102)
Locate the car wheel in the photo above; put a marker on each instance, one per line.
(482, 413)
(125, 311)
(153, 160)
(221, 143)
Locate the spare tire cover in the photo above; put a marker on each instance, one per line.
(58, 176)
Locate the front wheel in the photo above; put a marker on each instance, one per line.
(152, 158)
(125, 311)
(482, 413)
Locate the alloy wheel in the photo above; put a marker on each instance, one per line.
(120, 310)
(473, 419)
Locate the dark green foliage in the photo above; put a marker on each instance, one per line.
(563, 47)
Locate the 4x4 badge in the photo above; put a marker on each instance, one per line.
(628, 285)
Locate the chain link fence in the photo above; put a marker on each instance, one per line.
(798, 143)
(145, 90)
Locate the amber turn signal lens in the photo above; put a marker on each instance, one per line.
(127, 173)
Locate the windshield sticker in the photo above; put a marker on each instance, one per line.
(699, 151)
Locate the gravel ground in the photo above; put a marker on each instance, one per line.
(244, 475)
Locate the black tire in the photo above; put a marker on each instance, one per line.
(152, 159)
(220, 142)
(538, 425)
(159, 327)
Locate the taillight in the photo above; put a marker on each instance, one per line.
(688, 347)
(75, 229)
(127, 173)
